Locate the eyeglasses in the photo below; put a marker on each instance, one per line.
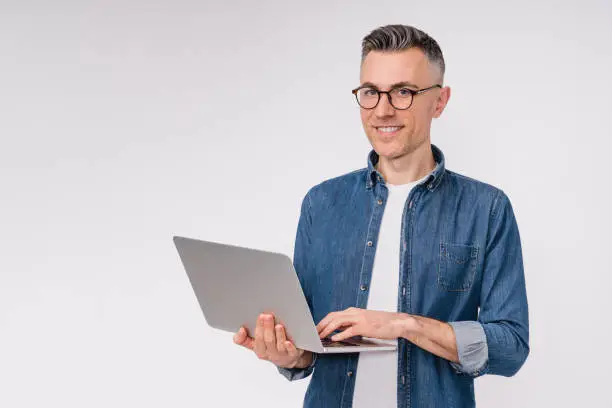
(400, 98)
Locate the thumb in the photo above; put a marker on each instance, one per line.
(242, 338)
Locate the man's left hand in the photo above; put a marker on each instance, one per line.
(362, 322)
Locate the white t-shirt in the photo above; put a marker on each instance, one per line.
(376, 374)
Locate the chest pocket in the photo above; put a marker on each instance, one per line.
(457, 267)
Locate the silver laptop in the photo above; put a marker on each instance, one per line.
(234, 285)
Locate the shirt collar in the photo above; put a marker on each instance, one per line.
(431, 182)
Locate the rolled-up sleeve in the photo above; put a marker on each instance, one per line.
(471, 347)
(503, 315)
(293, 374)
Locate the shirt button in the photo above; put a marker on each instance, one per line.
(364, 287)
(369, 243)
(379, 202)
(350, 373)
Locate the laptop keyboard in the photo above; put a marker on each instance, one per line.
(353, 341)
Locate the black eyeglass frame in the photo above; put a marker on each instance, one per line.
(412, 92)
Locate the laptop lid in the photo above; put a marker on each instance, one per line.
(234, 284)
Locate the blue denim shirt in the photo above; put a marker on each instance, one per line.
(460, 262)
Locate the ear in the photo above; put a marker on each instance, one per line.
(442, 100)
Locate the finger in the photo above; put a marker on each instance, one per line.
(268, 334)
(239, 336)
(249, 342)
(330, 327)
(281, 338)
(350, 332)
(325, 321)
(291, 349)
(243, 339)
(260, 346)
(333, 329)
(351, 312)
(344, 321)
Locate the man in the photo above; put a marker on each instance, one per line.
(404, 249)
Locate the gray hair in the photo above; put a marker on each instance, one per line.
(398, 37)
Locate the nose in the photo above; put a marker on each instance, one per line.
(384, 107)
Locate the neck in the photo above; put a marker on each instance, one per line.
(409, 167)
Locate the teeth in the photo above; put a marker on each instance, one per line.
(389, 129)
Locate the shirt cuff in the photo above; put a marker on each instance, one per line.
(293, 374)
(471, 348)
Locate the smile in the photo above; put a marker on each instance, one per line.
(388, 130)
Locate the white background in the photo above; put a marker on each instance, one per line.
(125, 122)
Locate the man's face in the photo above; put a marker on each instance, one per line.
(383, 69)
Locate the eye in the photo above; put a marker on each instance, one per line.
(404, 92)
(369, 91)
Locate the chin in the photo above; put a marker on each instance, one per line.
(388, 150)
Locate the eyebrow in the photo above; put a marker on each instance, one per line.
(395, 85)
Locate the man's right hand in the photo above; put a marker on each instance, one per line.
(270, 343)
